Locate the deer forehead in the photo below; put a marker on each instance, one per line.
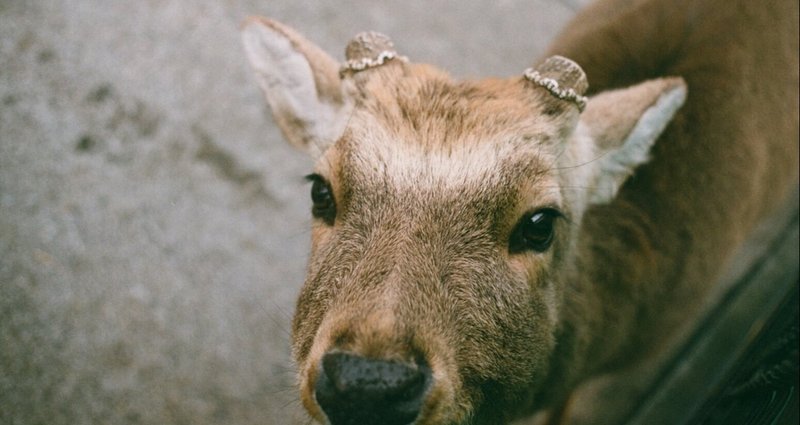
(416, 134)
(379, 168)
(406, 165)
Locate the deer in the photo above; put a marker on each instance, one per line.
(481, 248)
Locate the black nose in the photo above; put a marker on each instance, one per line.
(354, 390)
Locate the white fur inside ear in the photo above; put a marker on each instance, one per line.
(282, 72)
(287, 80)
(620, 163)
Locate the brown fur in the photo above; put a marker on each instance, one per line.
(430, 176)
(729, 157)
(408, 270)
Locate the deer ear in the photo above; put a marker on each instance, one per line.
(624, 125)
(301, 82)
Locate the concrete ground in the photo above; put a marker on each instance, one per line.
(153, 223)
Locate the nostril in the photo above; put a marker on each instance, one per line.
(356, 390)
(355, 374)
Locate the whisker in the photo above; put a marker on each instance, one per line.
(293, 402)
(281, 320)
(568, 187)
(571, 167)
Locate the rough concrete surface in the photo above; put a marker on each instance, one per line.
(153, 223)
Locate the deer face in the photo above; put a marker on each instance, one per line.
(433, 242)
(444, 213)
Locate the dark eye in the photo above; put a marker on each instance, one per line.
(534, 232)
(323, 205)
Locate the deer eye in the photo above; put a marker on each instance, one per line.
(534, 231)
(323, 205)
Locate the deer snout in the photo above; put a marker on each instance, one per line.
(355, 390)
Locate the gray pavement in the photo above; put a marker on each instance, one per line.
(153, 223)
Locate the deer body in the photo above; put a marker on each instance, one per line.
(471, 259)
(729, 156)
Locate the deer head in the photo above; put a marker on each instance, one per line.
(444, 212)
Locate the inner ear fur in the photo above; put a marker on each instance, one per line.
(300, 81)
(611, 116)
(624, 125)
